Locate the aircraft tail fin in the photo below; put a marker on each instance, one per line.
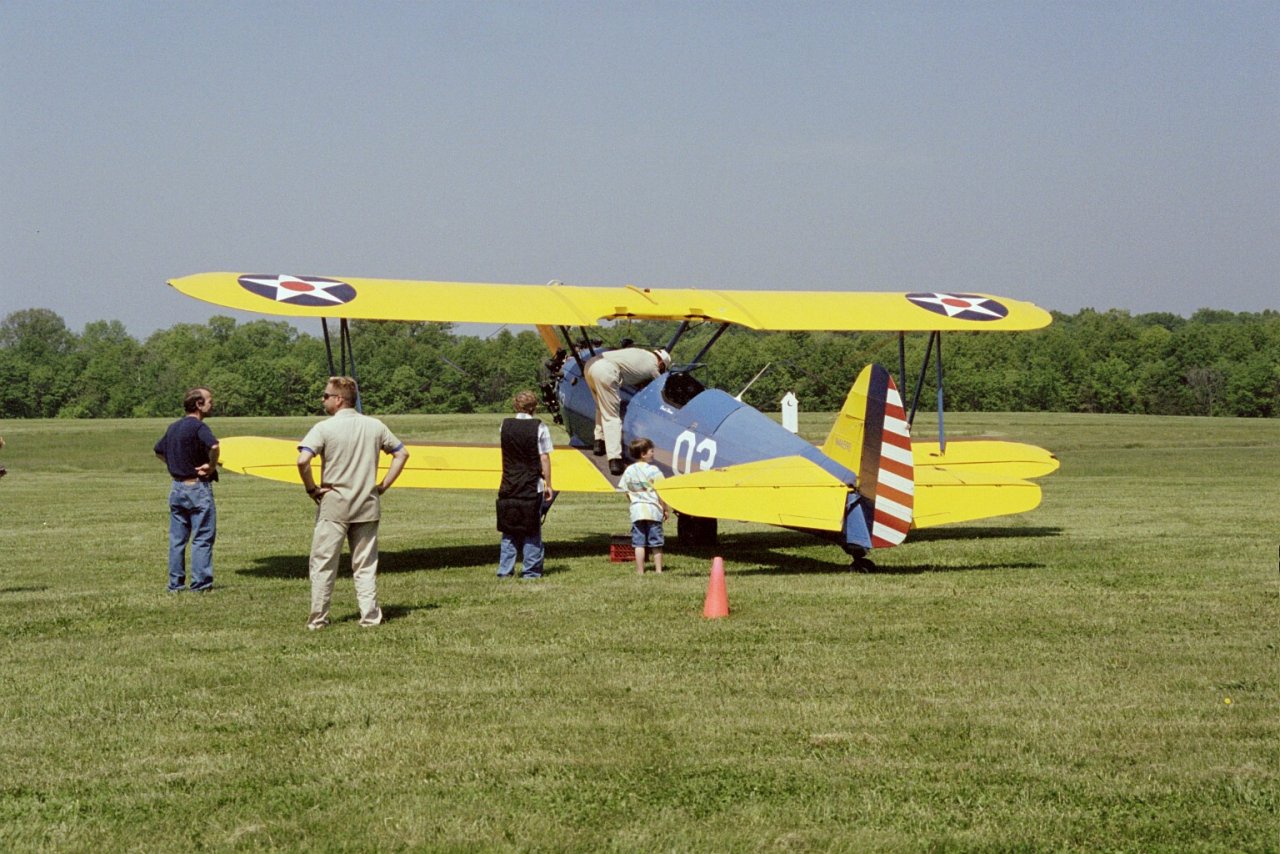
(871, 436)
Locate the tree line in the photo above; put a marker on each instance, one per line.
(1213, 363)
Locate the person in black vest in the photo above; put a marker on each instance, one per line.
(526, 486)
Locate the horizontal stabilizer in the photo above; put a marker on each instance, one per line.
(429, 466)
(944, 496)
(992, 456)
(789, 491)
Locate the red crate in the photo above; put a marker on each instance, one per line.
(620, 549)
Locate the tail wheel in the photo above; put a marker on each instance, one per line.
(859, 562)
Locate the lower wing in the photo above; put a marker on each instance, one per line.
(788, 491)
(429, 466)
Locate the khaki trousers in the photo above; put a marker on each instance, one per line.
(326, 548)
(604, 379)
(606, 374)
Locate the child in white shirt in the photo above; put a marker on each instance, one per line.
(648, 511)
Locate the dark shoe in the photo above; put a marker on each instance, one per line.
(617, 467)
(598, 450)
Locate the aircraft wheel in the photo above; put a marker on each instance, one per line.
(696, 531)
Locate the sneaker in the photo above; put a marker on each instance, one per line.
(599, 449)
(617, 467)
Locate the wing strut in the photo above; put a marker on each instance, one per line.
(586, 339)
(902, 363)
(935, 342)
(346, 355)
(568, 342)
(707, 346)
(671, 345)
(942, 435)
(924, 367)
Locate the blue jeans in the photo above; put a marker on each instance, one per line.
(528, 546)
(646, 534)
(193, 517)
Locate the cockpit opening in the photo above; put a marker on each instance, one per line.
(680, 388)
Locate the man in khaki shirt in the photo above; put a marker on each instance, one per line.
(347, 504)
(606, 374)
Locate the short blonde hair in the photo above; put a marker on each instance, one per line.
(345, 388)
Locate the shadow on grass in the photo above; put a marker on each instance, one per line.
(23, 589)
(759, 549)
(390, 613)
(980, 533)
(762, 550)
(434, 558)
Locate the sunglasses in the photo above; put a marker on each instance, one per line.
(327, 395)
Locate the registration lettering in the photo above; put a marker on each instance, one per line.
(689, 450)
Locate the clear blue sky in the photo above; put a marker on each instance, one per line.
(1113, 155)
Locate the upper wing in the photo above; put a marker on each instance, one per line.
(399, 299)
(429, 466)
(789, 491)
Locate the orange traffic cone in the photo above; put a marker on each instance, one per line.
(717, 603)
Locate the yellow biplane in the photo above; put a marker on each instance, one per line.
(865, 487)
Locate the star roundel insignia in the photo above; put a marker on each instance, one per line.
(962, 306)
(299, 290)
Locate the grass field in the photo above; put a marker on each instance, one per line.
(1099, 674)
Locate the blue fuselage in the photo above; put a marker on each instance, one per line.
(694, 428)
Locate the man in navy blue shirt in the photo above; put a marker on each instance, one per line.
(190, 451)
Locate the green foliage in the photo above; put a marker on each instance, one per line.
(1215, 363)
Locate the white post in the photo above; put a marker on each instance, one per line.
(791, 412)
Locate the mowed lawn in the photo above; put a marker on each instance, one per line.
(1099, 674)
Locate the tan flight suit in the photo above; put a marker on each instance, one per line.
(606, 373)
